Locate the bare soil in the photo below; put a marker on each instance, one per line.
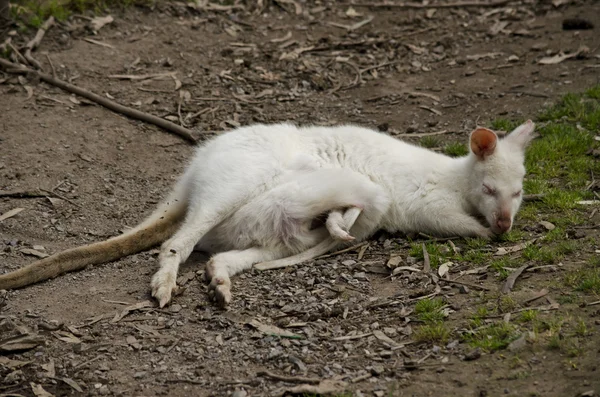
(446, 70)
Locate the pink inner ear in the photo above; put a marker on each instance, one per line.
(483, 142)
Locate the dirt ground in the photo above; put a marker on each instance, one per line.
(421, 71)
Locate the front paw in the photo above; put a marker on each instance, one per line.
(163, 285)
(485, 233)
(220, 291)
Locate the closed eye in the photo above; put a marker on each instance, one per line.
(517, 194)
(489, 190)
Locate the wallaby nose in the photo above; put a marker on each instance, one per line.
(503, 224)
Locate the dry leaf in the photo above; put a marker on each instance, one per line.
(403, 268)
(29, 92)
(10, 213)
(394, 261)
(444, 269)
(547, 225)
(185, 96)
(19, 343)
(515, 248)
(129, 309)
(282, 39)
(426, 261)
(273, 330)
(295, 53)
(351, 13)
(558, 58)
(12, 364)
(512, 278)
(66, 337)
(384, 338)
(98, 22)
(177, 82)
(415, 49)
(73, 384)
(498, 27)
(39, 391)
(50, 369)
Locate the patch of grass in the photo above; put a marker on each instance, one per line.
(34, 12)
(581, 328)
(430, 310)
(513, 236)
(528, 316)
(429, 142)
(585, 280)
(438, 253)
(456, 149)
(478, 319)
(501, 264)
(504, 125)
(492, 337)
(537, 254)
(506, 304)
(432, 333)
(475, 256)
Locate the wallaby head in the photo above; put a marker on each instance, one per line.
(496, 178)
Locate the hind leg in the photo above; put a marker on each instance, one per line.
(176, 251)
(222, 266)
(338, 224)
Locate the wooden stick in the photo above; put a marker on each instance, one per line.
(458, 4)
(32, 45)
(289, 379)
(107, 103)
(465, 284)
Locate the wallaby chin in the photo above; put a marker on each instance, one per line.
(255, 189)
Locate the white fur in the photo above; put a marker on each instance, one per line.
(253, 192)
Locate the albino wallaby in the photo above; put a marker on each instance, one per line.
(249, 196)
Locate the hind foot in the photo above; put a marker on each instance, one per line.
(219, 287)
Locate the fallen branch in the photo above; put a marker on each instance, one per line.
(107, 103)
(458, 4)
(33, 44)
(290, 379)
(466, 284)
(23, 194)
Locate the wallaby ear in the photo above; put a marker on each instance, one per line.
(523, 134)
(483, 142)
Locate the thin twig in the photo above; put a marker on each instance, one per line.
(17, 53)
(23, 194)
(458, 4)
(381, 65)
(290, 379)
(51, 66)
(107, 103)
(466, 284)
(341, 251)
(528, 198)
